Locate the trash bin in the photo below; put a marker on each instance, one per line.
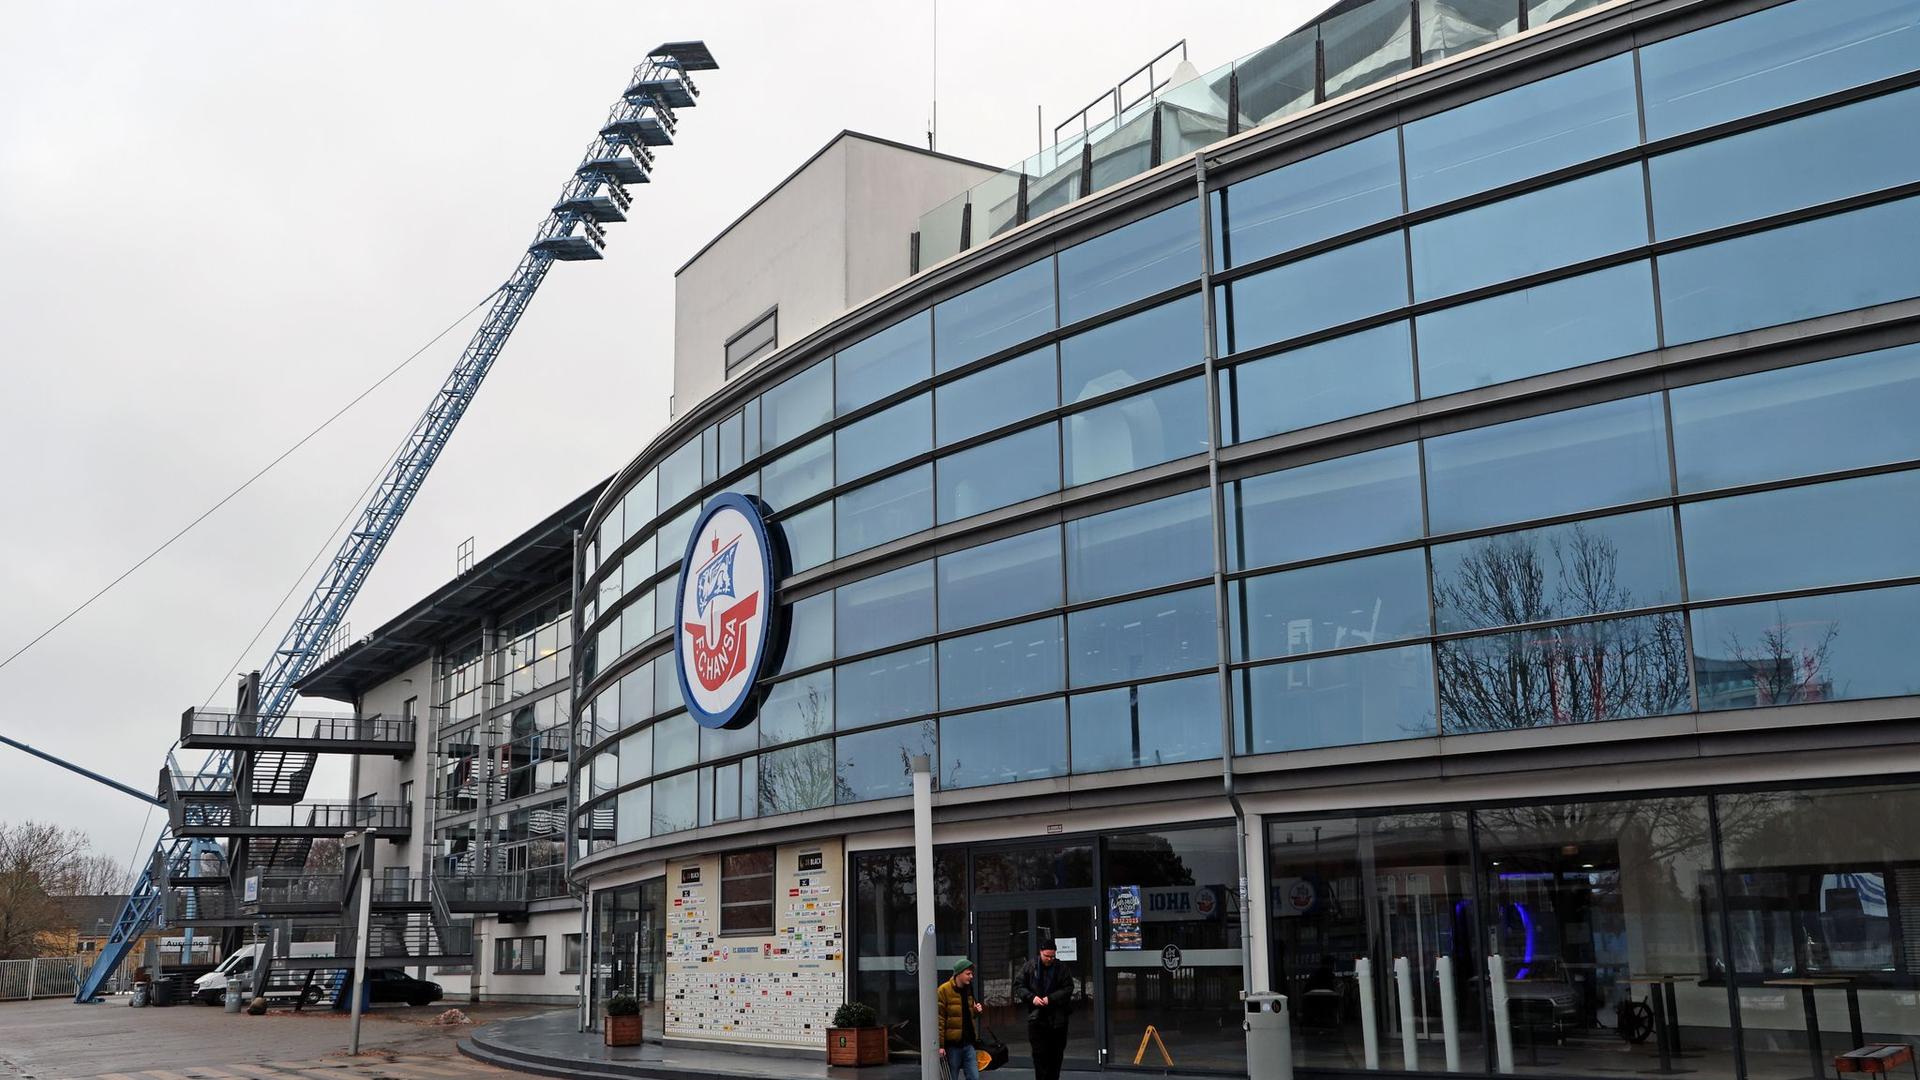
(1269, 1037)
(161, 994)
(139, 999)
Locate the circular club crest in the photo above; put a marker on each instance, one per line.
(723, 635)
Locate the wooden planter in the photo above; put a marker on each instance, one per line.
(623, 1030)
(857, 1046)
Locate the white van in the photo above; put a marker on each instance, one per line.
(209, 988)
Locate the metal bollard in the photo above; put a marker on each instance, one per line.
(1269, 1037)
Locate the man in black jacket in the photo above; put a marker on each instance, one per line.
(1045, 987)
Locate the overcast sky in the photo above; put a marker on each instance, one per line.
(220, 221)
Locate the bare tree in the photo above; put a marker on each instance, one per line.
(36, 860)
(94, 874)
(1779, 669)
(325, 857)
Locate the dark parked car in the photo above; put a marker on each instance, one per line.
(389, 984)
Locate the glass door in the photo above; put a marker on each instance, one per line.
(1008, 930)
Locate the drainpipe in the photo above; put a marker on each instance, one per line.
(1221, 640)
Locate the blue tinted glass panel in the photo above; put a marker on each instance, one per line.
(1001, 313)
(885, 438)
(1323, 290)
(1005, 471)
(886, 687)
(797, 778)
(676, 743)
(879, 764)
(798, 475)
(1156, 724)
(1864, 257)
(1023, 660)
(635, 698)
(1797, 538)
(1138, 639)
(672, 538)
(809, 634)
(1844, 413)
(1775, 57)
(893, 359)
(1338, 605)
(1533, 129)
(1347, 376)
(666, 687)
(810, 537)
(640, 502)
(1786, 166)
(1322, 196)
(1560, 463)
(797, 406)
(675, 800)
(1811, 648)
(664, 595)
(1346, 504)
(716, 743)
(1550, 327)
(1582, 568)
(999, 746)
(1132, 350)
(1000, 580)
(797, 709)
(1139, 547)
(679, 474)
(1569, 674)
(1137, 432)
(883, 510)
(1377, 696)
(1526, 234)
(1008, 391)
(1133, 261)
(878, 611)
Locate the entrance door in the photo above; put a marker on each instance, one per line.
(1007, 932)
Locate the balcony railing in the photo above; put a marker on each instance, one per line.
(301, 890)
(208, 727)
(312, 819)
(467, 891)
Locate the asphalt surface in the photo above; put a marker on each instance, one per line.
(58, 1040)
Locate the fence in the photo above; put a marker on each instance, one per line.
(53, 976)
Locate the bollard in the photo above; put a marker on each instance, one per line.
(1449, 1011)
(1269, 1037)
(1502, 1020)
(1369, 1019)
(1409, 1051)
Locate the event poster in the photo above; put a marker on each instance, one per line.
(1123, 917)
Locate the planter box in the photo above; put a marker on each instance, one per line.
(857, 1046)
(623, 1030)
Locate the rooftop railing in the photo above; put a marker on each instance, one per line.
(1337, 56)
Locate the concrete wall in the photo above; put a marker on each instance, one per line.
(382, 777)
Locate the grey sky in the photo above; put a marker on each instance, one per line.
(222, 220)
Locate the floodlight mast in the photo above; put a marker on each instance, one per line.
(594, 196)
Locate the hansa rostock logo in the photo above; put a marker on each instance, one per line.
(726, 611)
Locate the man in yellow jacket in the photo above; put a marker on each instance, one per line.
(957, 1008)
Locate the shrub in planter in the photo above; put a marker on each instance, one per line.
(623, 1020)
(856, 1037)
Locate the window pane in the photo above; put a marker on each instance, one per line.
(1561, 324)
(1156, 724)
(672, 539)
(1133, 261)
(893, 359)
(999, 580)
(883, 510)
(1376, 696)
(675, 803)
(1580, 459)
(640, 502)
(1346, 504)
(1137, 432)
(1775, 57)
(636, 757)
(1786, 166)
(729, 445)
(878, 611)
(1322, 196)
(1822, 534)
(1008, 391)
(879, 764)
(1332, 380)
(994, 316)
(797, 406)
(1837, 414)
(679, 474)
(798, 474)
(810, 537)
(1333, 606)
(1812, 648)
(1023, 660)
(634, 815)
(1864, 258)
(796, 778)
(1581, 568)
(1138, 639)
(883, 439)
(716, 743)
(1314, 293)
(664, 610)
(999, 746)
(1573, 674)
(1139, 547)
(1006, 471)
(676, 743)
(1365, 45)
(1526, 234)
(797, 709)
(1132, 350)
(886, 687)
(1533, 129)
(666, 687)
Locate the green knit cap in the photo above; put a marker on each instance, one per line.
(963, 965)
